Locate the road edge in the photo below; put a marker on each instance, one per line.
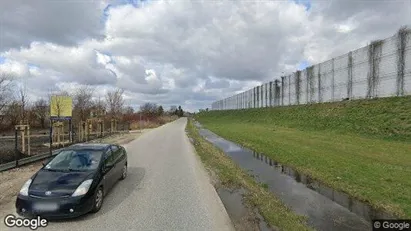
(209, 183)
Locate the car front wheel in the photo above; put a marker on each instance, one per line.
(98, 200)
(124, 172)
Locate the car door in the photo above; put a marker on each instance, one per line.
(109, 170)
(117, 160)
(123, 157)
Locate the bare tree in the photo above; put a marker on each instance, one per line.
(6, 88)
(128, 110)
(115, 102)
(40, 110)
(99, 106)
(180, 111)
(23, 103)
(149, 109)
(173, 108)
(83, 102)
(12, 112)
(160, 110)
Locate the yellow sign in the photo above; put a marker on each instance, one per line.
(61, 106)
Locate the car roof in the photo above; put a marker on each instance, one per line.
(90, 146)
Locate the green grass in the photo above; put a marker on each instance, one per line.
(362, 148)
(271, 208)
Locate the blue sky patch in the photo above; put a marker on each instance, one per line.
(2, 60)
(109, 54)
(32, 65)
(134, 3)
(306, 3)
(303, 64)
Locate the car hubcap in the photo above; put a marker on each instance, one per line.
(124, 171)
(99, 198)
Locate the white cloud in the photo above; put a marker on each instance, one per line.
(14, 68)
(103, 59)
(76, 64)
(196, 52)
(60, 22)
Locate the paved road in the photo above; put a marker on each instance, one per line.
(167, 188)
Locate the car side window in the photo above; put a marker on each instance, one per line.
(109, 159)
(114, 148)
(116, 151)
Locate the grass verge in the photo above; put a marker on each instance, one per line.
(362, 148)
(229, 174)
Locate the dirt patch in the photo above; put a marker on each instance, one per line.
(123, 138)
(11, 181)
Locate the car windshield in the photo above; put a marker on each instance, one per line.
(75, 160)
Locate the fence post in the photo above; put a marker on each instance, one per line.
(23, 144)
(70, 131)
(28, 140)
(333, 81)
(320, 94)
(282, 90)
(271, 93)
(51, 136)
(307, 95)
(16, 149)
(350, 83)
(289, 89)
(88, 131)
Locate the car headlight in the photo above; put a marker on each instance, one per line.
(83, 188)
(25, 189)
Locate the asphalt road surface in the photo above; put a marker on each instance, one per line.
(167, 188)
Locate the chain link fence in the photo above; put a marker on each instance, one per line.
(41, 145)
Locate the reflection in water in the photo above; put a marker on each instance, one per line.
(325, 208)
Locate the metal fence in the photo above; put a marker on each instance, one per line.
(382, 69)
(12, 154)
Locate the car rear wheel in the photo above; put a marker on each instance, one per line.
(98, 200)
(124, 172)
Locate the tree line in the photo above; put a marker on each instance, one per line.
(16, 106)
(152, 110)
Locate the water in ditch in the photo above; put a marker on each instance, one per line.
(325, 208)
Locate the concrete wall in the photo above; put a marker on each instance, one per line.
(369, 72)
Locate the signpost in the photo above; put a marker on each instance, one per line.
(61, 107)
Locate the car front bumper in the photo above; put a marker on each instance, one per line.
(53, 208)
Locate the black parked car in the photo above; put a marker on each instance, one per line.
(74, 182)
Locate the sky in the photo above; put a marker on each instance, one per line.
(188, 53)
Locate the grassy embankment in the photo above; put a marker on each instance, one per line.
(360, 147)
(231, 176)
